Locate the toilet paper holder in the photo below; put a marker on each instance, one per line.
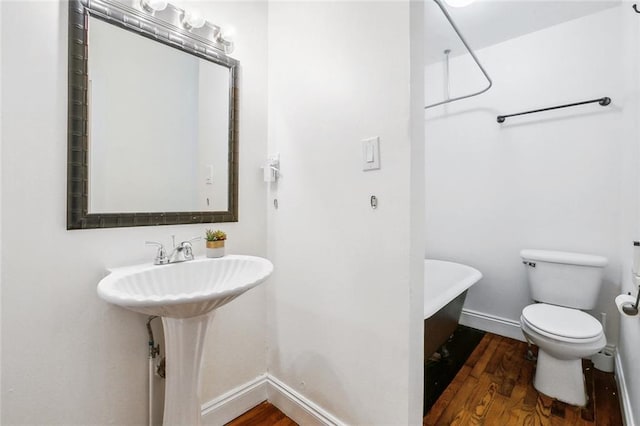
(631, 309)
(625, 302)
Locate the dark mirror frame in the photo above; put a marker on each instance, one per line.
(146, 25)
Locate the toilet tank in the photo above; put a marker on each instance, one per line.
(563, 278)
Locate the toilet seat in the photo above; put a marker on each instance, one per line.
(562, 324)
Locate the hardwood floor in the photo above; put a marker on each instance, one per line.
(494, 387)
(264, 414)
(440, 371)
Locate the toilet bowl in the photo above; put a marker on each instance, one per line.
(564, 336)
(562, 284)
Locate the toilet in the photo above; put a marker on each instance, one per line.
(562, 284)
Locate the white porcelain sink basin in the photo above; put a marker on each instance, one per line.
(183, 290)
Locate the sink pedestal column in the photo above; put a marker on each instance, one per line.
(184, 346)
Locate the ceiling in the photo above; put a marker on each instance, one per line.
(487, 22)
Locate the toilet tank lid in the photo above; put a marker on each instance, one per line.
(567, 258)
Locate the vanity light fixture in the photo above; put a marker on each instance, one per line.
(154, 5)
(192, 21)
(459, 3)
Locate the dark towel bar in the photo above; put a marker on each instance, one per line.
(602, 101)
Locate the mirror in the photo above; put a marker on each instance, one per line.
(152, 122)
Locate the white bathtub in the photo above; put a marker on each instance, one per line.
(444, 281)
(445, 289)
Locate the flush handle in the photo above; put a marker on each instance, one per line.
(532, 264)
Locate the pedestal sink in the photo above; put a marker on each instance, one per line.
(185, 296)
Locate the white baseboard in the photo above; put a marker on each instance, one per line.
(299, 408)
(491, 323)
(623, 393)
(237, 401)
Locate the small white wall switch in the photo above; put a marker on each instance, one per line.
(209, 178)
(371, 154)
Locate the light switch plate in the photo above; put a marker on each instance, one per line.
(371, 154)
(209, 178)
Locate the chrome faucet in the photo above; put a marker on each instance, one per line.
(180, 253)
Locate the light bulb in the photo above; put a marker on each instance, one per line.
(226, 36)
(192, 19)
(459, 3)
(153, 5)
(227, 32)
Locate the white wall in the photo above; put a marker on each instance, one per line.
(416, 221)
(629, 346)
(550, 180)
(68, 357)
(340, 322)
(1, 133)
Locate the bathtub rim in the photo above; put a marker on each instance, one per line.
(472, 277)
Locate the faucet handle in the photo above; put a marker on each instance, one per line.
(161, 256)
(187, 243)
(188, 249)
(154, 243)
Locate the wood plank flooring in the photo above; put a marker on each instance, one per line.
(494, 388)
(440, 371)
(264, 414)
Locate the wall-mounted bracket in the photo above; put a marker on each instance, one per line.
(271, 169)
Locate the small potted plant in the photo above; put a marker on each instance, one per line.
(215, 242)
